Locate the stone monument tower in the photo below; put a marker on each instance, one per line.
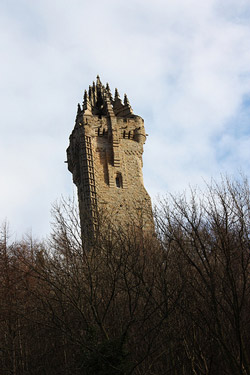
(105, 158)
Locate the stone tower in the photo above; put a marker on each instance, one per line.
(105, 158)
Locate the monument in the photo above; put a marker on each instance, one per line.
(105, 158)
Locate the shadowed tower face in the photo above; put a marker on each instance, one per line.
(105, 158)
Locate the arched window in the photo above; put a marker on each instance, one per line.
(118, 180)
(124, 134)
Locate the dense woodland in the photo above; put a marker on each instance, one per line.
(175, 303)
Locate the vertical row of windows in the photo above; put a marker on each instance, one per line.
(88, 177)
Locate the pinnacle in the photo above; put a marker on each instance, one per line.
(90, 91)
(98, 81)
(79, 108)
(126, 101)
(117, 96)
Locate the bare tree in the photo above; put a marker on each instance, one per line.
(128, 304)
(210, 234)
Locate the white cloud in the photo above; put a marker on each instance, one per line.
(185, 66)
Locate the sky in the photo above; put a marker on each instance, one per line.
(184, 64)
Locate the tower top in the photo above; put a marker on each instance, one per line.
(99, 101)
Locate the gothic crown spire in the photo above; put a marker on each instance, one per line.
(98, 100)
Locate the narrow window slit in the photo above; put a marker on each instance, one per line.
(118, 180)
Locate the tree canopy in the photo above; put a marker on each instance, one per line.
(176, 302)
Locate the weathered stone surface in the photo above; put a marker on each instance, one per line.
(105, 158)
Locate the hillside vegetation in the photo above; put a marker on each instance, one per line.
(175, 303)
